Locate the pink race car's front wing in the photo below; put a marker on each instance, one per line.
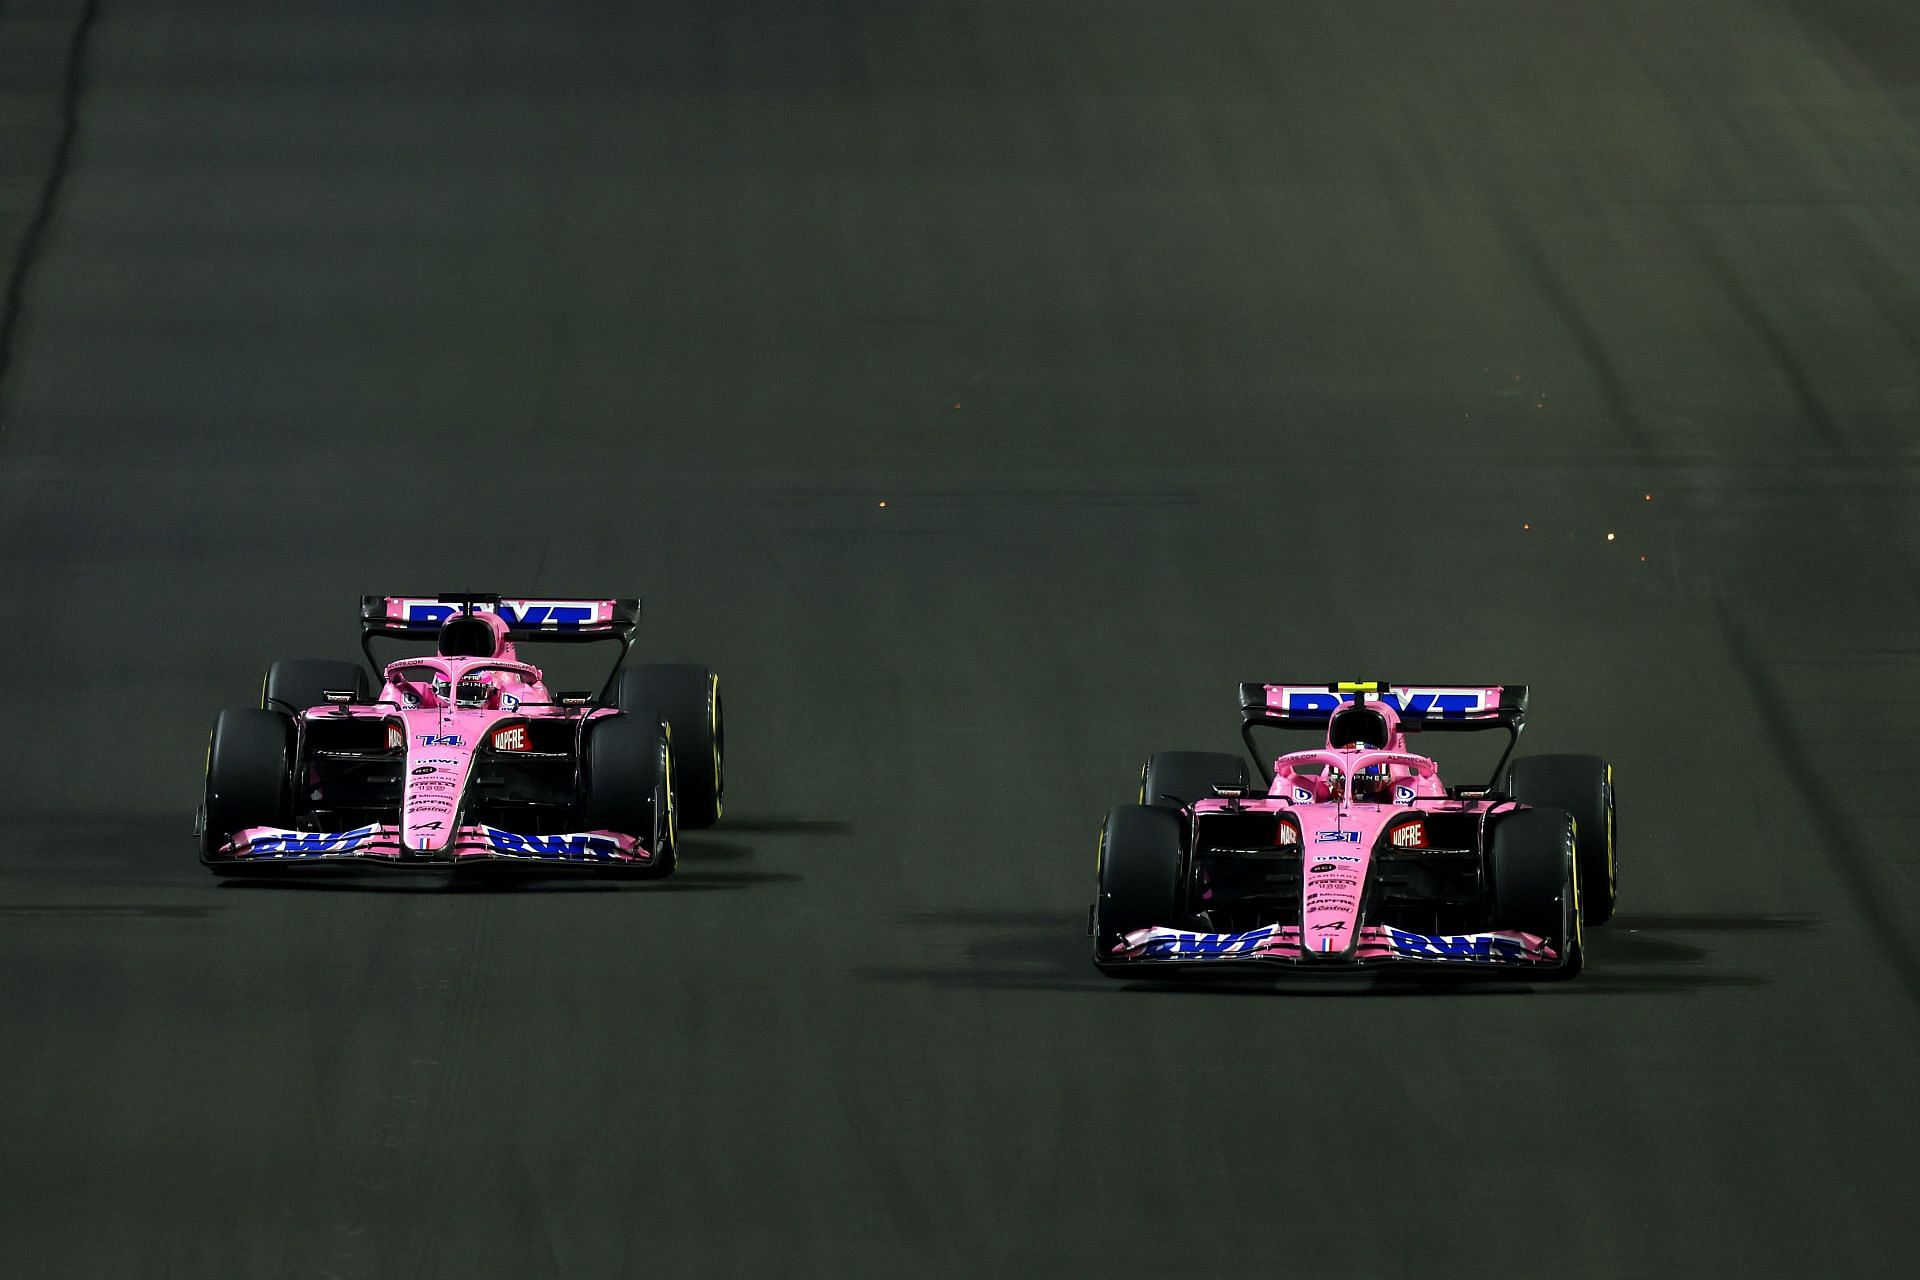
(473, 844)
(1377, 945)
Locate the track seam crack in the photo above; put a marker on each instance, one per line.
(33, 239)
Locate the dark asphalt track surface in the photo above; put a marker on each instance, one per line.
(985, 389)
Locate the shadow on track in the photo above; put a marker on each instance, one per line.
(777, 825)
(1047, 950)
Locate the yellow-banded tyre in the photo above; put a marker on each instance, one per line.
(687, 696)
(1583, 786)
(628, 769)
(1532, 863)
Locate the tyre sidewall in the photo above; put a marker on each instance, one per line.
(249, 781)
(687, 697)
(1583, 787)
(1140, 875)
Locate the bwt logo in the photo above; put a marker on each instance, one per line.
(1463, 946)
(1410, 702)
(567, 848)
(1205, 944)
(526, 617)
(297, 845)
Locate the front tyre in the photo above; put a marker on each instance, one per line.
(628, 768)
(1139, 879)
(249, 776)
(1583, 786)
(1535, 886)
(687, 696)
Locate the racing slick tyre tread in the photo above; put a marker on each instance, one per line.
(1532, 858)
(294, 684)
(1138, 880)
(1179, 778)
(629, 776)
(249, 776)
(1583, 786)
(687, 696)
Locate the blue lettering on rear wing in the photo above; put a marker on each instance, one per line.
(1419, 706)
(532, 616)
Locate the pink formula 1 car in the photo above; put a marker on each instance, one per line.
(464, 757)
(1355, 853)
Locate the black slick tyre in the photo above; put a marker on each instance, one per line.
(1178, 778)
(249, 776)
(628, 769)
(1583, 786)
(1535, 886)
(1139, 879)
(687, 696)
(295, 684)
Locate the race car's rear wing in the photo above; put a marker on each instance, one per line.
(1420, 707)
(529, 618)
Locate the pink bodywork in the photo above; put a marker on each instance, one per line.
(423, 701)
(1338, 833)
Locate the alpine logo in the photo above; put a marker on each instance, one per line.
(512, 738)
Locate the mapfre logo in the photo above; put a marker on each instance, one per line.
(1412, 835)
(513, 738)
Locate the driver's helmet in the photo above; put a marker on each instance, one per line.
(1372, 783)
(478, 690)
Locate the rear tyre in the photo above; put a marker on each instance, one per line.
(1139, 878)
(687, 696)
(1535, 886)
(629, 774)
(249, 776)
(1583, 786)
(295, 684)
(1179, 778)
